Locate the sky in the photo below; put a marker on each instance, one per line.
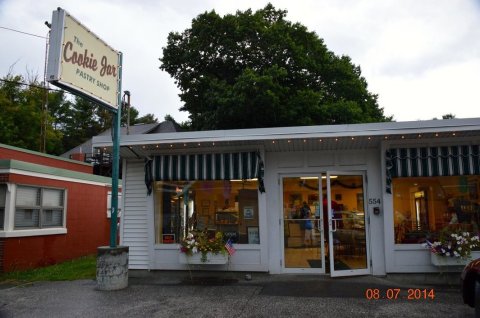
(422, 58)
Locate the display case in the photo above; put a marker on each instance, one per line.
(226, 217)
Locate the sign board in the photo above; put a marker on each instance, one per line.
(168, 239)
(80, 62)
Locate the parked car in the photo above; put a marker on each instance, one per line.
(471, 285)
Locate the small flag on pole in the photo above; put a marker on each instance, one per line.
(229, 246)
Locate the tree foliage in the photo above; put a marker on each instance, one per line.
(69, 122)
(256, 69)
(21, 115)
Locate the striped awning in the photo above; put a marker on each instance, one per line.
(218, 166)
(432, 162)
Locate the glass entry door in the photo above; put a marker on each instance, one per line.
(303, 234)
(347, 238)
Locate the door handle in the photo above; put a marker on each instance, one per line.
(334, 225)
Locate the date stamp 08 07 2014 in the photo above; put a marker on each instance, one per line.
(400, 294)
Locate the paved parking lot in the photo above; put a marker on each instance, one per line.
(179, 294)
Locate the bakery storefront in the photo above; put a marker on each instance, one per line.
(336, 200)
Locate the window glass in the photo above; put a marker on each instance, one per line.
(230, 207)
(52, 218)
(28, 196)
(52, 197)
(425, 207)
(27, 218)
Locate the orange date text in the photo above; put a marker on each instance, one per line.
(400, 294)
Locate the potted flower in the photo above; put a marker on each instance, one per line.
(452, 248)
(202, 248)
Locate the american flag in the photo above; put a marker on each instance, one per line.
(229, 246)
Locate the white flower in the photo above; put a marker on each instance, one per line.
(194, 250)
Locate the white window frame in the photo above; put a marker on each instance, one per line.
(9, 229)
(109, 205)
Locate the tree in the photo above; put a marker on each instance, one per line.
(448, 116)
(259, 70)
(22, 115)
(66, 122)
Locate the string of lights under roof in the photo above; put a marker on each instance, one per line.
(289, 141)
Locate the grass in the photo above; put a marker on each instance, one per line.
(81, 268)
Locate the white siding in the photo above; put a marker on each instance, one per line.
(135, 215)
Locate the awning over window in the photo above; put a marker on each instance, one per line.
(432, 162)
(211, 166)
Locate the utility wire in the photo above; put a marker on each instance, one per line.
(31, 85)
(9, 29)
(36, 86)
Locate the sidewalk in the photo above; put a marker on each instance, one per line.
(229, 294)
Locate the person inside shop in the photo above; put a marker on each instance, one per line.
(305, 215)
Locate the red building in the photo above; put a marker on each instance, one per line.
(51, 209)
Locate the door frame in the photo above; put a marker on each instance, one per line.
(348, 272)
(298, 270)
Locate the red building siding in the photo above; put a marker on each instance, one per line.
(86, 222)
(40, 159)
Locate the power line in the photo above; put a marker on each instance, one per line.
(9, 29)
(33, 85)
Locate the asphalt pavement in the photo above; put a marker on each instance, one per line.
(230, 294)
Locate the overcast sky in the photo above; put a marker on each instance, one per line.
(422, 58)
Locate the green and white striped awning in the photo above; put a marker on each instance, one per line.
(432, 162)
(211, 166)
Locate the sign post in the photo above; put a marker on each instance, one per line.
(83, 64)
(116, 163)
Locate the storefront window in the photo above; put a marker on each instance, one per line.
(229, 206)
(424, 207)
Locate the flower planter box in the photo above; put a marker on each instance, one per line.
(212, 259)
(438, 260)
